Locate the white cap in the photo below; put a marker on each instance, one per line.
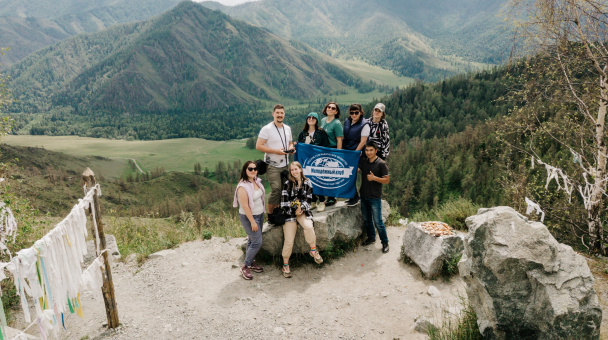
(380, 107)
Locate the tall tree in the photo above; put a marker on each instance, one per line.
(5, 99)
(564, 100)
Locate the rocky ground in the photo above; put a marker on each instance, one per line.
(195, 292)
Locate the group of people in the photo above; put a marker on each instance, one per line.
(294, 195)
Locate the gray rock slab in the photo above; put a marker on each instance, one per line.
(337, 224)
(110, 245)
(523, 284)
(434, 292)
(422, 325)
(429, 252)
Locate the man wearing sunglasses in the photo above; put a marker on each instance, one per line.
(356, 132)
(275, 141)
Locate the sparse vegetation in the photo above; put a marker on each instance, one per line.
(145, 236)
(450, 266)
(453, 212)
(460, 327)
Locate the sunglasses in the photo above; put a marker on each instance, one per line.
(312, 118)
(332, 108)
(252, 169)
(354, 112)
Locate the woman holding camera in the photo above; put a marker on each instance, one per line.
(295, 202)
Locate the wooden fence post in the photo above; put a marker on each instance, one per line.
(108, 285)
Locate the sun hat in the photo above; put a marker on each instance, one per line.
(313, 114)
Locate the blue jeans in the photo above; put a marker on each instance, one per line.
(371, 208)
(254, 239)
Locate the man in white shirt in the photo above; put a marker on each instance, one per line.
(276, 143)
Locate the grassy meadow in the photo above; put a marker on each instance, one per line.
(171, 154)
(378, 74)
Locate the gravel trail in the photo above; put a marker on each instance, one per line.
(197, 293)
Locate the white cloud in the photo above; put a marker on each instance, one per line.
(230, 2)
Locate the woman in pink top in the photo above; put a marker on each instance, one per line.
(249, 197)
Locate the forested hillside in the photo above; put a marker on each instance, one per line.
(443, 141)
(166, 77)
(427, 40)
(466, 138)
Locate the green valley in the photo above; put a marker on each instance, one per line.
(170, 154)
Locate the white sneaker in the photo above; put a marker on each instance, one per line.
(321, 206)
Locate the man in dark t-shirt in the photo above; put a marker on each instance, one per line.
(374, 173)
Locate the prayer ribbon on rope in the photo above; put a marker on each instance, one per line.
(534, 207)
(566, 185)
(51, 270)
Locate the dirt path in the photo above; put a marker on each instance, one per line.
(195, 293)
(137, 165)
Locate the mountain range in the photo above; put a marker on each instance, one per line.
(421, 39)
(189, 59)
(427, 40)
(27, 26)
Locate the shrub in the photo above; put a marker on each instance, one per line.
(461, 327)
(453, 212)
(450, 266)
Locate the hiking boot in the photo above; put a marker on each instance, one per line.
(255, 268)
(321, 206)
(368, 242)
(330, 202)
(352, 201)
(385, 248)
(286, 271)
(246, 273)
(315, 255)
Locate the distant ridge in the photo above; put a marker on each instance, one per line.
(421, 39)
(188, 60)
(28, 26)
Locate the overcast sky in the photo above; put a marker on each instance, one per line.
(230, 2)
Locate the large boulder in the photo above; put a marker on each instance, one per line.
(430, 252)
(337, 224)
(523, 284)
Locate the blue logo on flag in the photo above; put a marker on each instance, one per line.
(332, 172)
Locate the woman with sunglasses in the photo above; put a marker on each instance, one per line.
(312, 134)
(356, 132)
(333, 127)
(249, 197)
(295, 202)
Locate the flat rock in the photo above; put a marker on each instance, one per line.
(422, 325)
(434, 292)
(523, 284)
(337, 224)
(429, 252)
(161, 254)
